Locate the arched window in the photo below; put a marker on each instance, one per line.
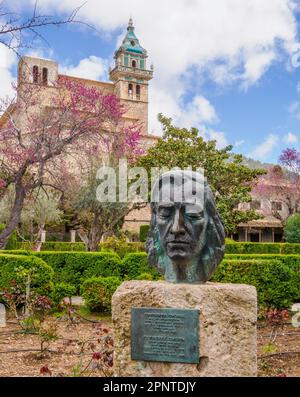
(35, 73)
(138, 92)
(133, 64)
(130, 90)
(45, 76)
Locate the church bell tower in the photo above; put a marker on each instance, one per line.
(130, 77)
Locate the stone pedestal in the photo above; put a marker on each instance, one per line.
(227, 330)
(2, 316)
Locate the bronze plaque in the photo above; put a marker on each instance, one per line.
(166, 335)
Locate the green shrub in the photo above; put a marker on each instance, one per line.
(61, 291)
(145, 276)
(124, 248)
(144, 229)
(291, 232)
(11, 269)
(135, 264)
(287, 248)
(230, 241)
(291, 261)
(12, 241)
(276, 283)
(69, 267)
(253, 248)
(98, 291)
(15, 252)
(54, 246)
(107, 264)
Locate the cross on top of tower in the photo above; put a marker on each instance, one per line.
(130, 24)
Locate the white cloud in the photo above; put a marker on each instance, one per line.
(196, 112)
(291, 138)
(218, 136)
(265, 148)
(93, 68)
(7, 60)
(256, 65)
(239, 143)
(294, 109)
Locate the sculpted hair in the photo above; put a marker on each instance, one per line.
(214, 247)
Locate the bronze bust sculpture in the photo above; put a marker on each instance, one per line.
(186, 238)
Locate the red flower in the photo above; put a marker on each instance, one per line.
(97, 356)
(45, 371)
(281, 375)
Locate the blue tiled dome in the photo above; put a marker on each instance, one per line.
(130, 42)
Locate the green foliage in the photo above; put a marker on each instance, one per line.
(292, 229)
(230, 241)
(73, 267)
(144, 229)
(13, 267)
(15, 252)
(12, 241)
(135, 264)
(225, 172)
(61, 291)
(277, 285)
(269, 348)
(123, 248)
(291, 261)
(107, 264)
(253, 248)
(287, 248)
(54, 246)
(145, 276)
(97, 292)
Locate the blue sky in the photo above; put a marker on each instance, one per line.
(227, 67)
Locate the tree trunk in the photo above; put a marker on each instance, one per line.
(95, 234)
(15, 214)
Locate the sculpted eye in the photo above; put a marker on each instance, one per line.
(165, 212)
(194, 215)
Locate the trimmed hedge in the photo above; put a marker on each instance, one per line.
(276, 283)
(136, 264)
(276, 276)
(232, 247)
(54, 246)
(293, 261)
(107, 264)
(42, 274)
(123, 249)
(288, 248)
(144, 229)
(98, 291)
(72, 267)
(263, 248)
(253, 248)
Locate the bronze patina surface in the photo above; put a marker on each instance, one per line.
(186, 240)
(166, 335)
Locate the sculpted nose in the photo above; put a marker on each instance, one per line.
(178, 224)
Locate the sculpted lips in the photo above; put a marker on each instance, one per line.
(175, 242)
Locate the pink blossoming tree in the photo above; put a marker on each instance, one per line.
(282, 183)
(44, 138)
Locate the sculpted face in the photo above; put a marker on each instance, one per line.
(181, 227)
(186, 239)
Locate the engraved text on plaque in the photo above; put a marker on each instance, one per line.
(165, 335)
